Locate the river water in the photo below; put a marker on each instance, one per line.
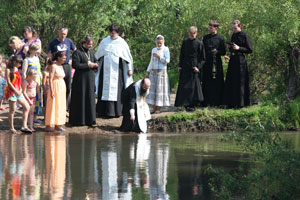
(144, 166)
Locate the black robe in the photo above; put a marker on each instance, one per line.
(237, 89)
(110, 108)
(213, 76)
(189, 91)
(129, 102)
(83, 106)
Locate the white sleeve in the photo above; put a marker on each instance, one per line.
(132, 111)
(166, 57)
(150, 64)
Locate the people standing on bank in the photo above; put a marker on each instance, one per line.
(114, 73)
(31, 36)
(213, 76)
(157, 72)
(135, 108)
(56, 97)
(13, 94)
(237, 89)
(192, 60)
(83, 106)
(62, 43)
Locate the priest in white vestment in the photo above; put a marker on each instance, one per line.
(114, 73)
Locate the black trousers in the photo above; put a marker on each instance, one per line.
(68, 79)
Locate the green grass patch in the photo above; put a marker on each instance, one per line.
(268, 116)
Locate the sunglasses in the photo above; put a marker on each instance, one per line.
(213, 25)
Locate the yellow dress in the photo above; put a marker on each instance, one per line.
(56, 107)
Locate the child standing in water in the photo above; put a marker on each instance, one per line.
(31, 90)
(13, 94)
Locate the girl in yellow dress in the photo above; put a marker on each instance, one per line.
(56, 97)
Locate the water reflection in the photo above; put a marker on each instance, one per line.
(46, 166)
(55, 158)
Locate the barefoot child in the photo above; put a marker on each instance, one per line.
(31, 89)
(32, 62)
(13, 93)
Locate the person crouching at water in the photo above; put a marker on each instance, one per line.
(135, 109)
(13, 94)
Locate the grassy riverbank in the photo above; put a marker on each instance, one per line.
(266, 116)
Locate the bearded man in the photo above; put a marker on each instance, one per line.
(135, 108)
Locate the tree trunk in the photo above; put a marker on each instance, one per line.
(292, 89)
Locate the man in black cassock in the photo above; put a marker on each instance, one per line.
(135, 109)
(192, 60)
(213, 76)
(237, 89)
(83, 106)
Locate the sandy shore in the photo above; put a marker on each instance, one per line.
(103, 126)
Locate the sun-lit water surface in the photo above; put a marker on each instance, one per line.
(144, 166)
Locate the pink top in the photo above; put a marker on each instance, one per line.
(31, 88)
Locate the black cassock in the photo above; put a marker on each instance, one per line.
(83, 106)
(110, 108)
(189, 91)
(213, 76)
(237, 90)
(129, 102)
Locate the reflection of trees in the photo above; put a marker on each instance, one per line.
(85, 166)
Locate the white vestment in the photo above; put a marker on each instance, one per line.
(143, 111)
(112, 51)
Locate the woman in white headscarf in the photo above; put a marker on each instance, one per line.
(157, 72)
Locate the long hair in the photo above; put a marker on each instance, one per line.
(15, 40)
(31, 30)
(13, 60)
(58, 54)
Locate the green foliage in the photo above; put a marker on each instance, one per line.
(267, 116)
(276, 175)
(273, 27)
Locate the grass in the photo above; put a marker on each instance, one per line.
(268, 116)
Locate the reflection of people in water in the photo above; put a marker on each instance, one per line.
(158, 170)
(55, 156)
(19, 167)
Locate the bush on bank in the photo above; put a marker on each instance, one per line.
(266, 116)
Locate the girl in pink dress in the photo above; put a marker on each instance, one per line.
(56, 97)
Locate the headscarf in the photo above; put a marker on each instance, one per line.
(160, 37)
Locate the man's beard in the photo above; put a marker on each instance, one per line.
(143, 92)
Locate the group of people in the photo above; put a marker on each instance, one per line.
(201, 81)
(107, 75)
